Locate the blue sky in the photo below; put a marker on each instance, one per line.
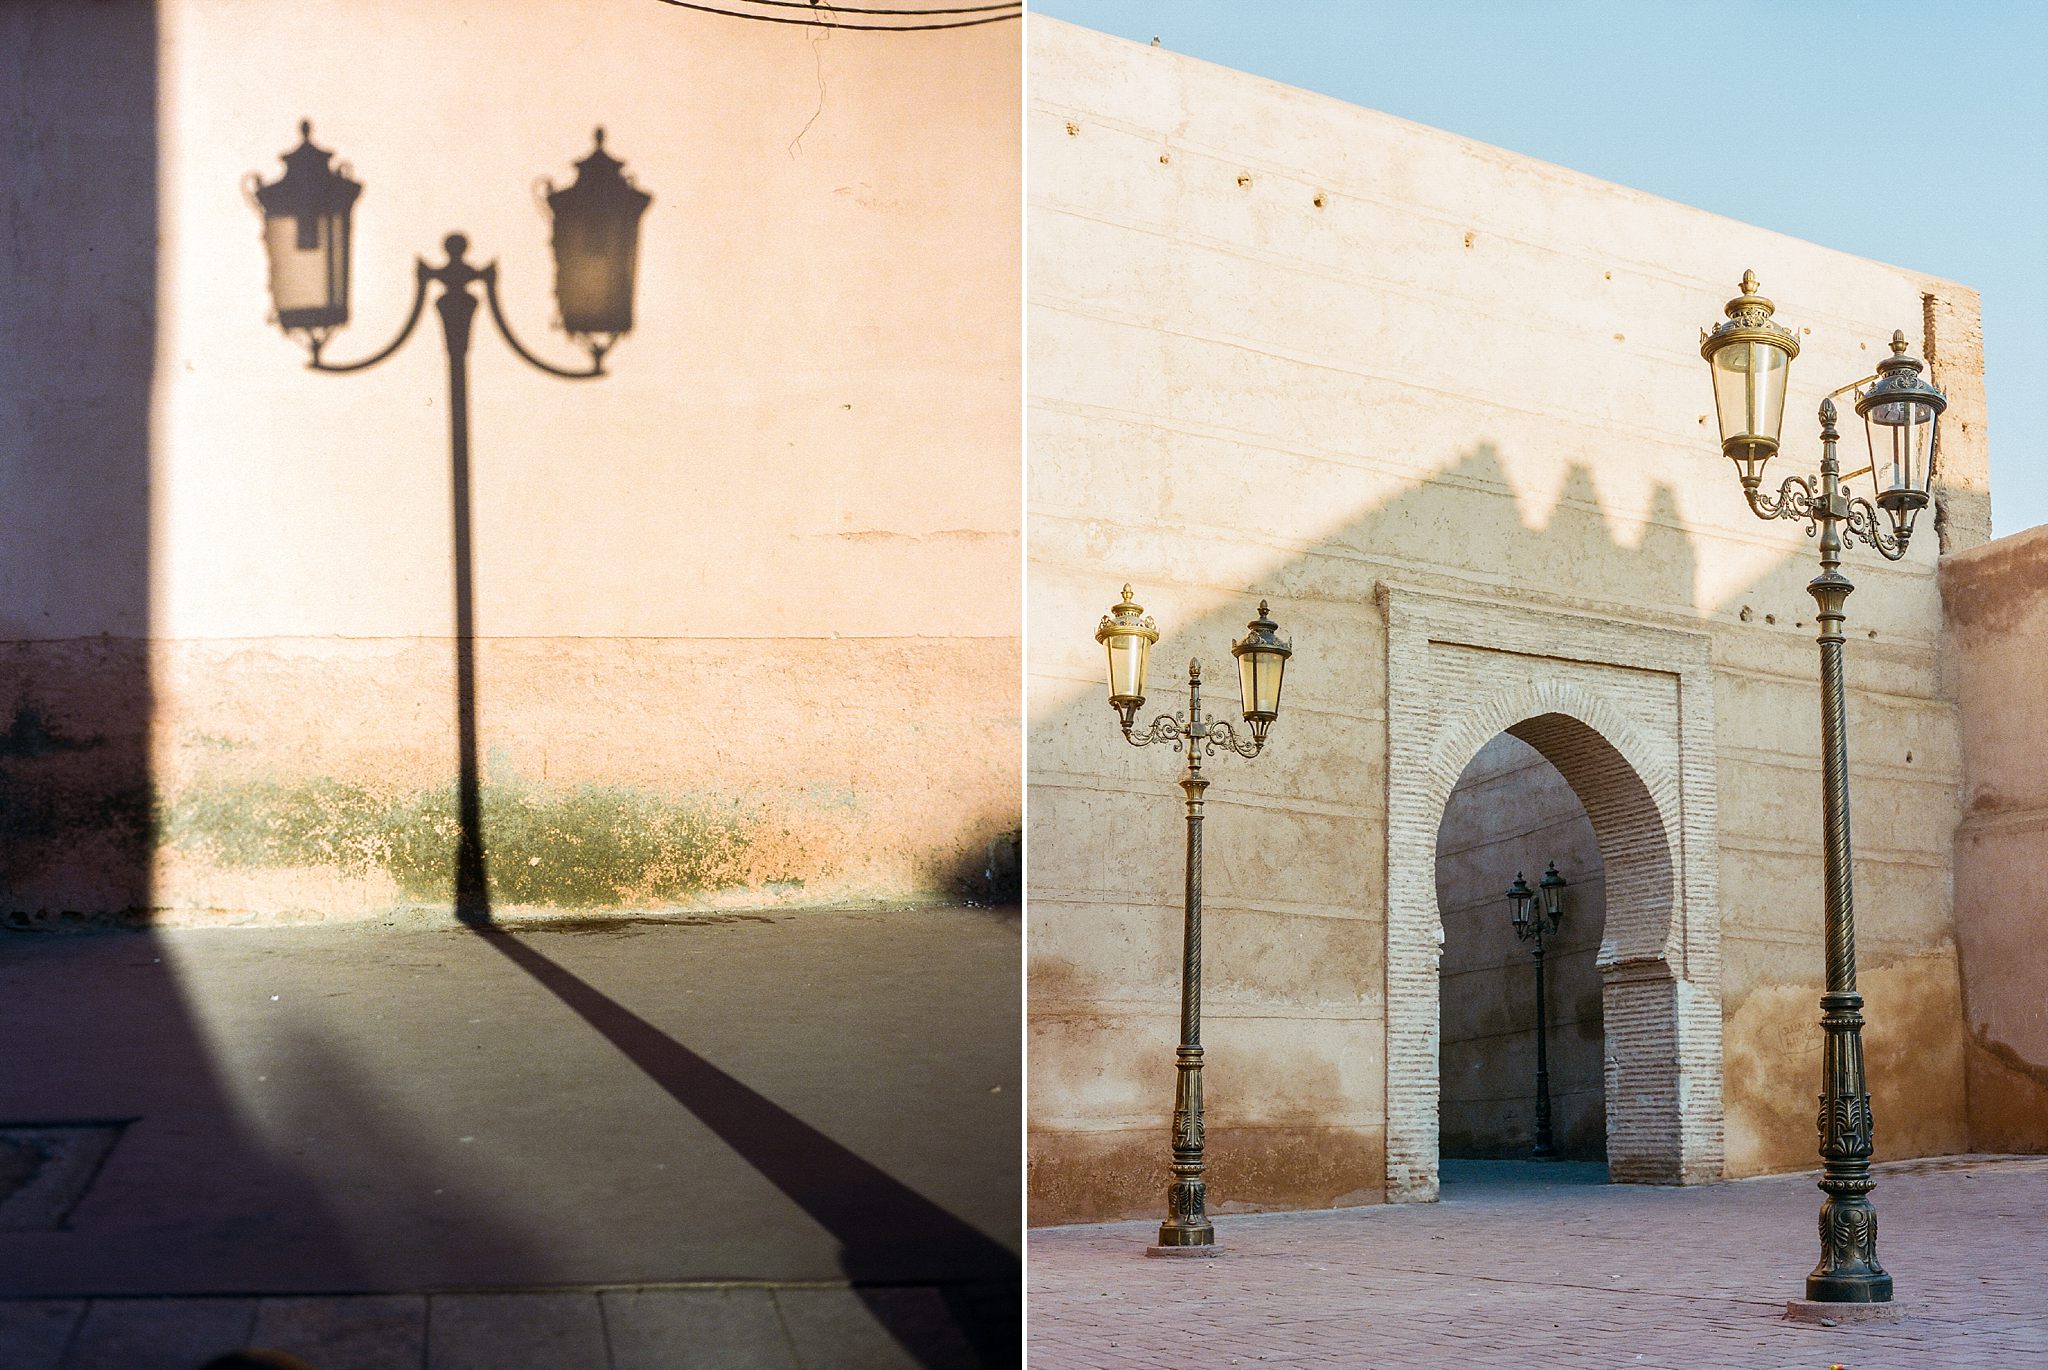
(1953, 98)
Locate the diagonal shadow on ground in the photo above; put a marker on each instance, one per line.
(873, 1215)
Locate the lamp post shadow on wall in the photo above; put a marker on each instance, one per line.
(1262, 656)
(306, 235)
(596, 235)
(1521, 900)
(1751, 356)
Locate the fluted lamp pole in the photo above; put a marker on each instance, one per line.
(1751, 356)
(1262, 654)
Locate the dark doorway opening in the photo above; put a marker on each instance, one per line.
(1513, 813)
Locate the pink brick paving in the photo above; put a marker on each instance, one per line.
(1576, 1275)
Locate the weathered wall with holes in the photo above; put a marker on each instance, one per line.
(1510, 813)
(1997, 662)
(747, 608)
(1284, 346)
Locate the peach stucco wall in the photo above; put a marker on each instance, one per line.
(746, 609)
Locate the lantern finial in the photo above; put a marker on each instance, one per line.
(1749, 282)
(1898, 342)
(306, 129)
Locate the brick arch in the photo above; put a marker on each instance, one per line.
(1644, 1142)
(1625, 714)
(1632, 799)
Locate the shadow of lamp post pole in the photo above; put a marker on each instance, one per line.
(1262, 655)
(1751, 357)
(306, 234)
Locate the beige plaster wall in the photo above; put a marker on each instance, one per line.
(1285, 346)
(744, 608)
(1512, 812)
(1996, 598)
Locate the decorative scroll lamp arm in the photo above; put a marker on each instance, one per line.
(1861, 525)
(1166, 730)
(489, 276)
(1794, 500)
(1222, 734)
(1819, 501)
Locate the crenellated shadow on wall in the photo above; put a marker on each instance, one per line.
(1294, 942)
(1296, 842)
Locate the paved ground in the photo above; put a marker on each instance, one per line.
(786, 1131)
(1505, 1273)
(818, 1328)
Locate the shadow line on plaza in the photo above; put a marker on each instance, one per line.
(873, 1215)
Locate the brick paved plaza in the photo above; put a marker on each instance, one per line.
(1505, 1273)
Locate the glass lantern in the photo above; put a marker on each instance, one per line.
(1520, 899)
(1261, 664)
(1552, 888)
(1751, 357)
(1128, 632)
(1901, 419)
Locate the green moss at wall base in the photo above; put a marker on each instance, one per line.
(580, 847)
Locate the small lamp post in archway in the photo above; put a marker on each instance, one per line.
(1262, 656)
(1751, 356)
(1521, 901)
(306, 235)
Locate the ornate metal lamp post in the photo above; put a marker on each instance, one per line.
(1261, 661)
(1750, 355)
(306, 235)
(1520, 900)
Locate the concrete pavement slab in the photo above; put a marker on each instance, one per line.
(844, 1329)
(368, 1332)
(496, 1331)
(129, 1334)
(34, 1332)
(696, 1329)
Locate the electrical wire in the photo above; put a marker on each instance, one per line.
(1014, 11)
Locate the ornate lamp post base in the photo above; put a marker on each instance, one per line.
(1187, 1228)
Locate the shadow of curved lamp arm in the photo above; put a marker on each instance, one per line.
(489, 276)
(422, 273)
